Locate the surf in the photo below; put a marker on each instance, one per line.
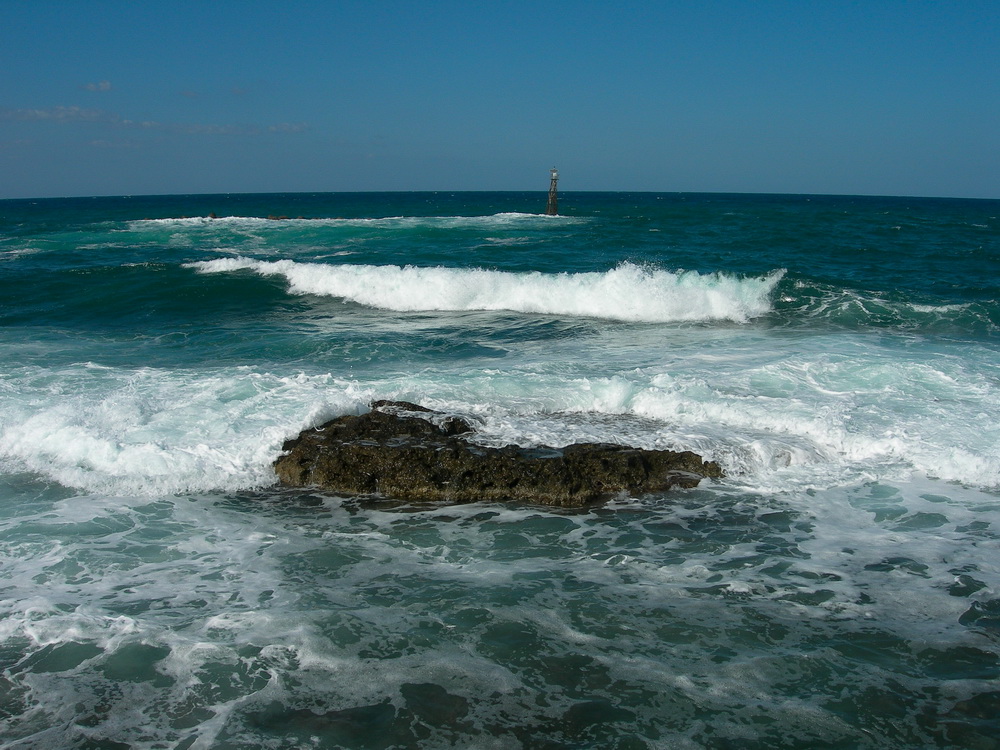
(628, 292)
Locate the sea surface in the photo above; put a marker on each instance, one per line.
(838, 356)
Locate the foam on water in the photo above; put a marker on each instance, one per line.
(257, 621)
(390, 222)
(628, 292)
(857, 309)
(152, 432)
(828, 415)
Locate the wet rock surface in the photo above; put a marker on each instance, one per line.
(405, 451)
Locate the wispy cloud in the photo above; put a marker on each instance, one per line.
(75, 114)
(60, 114)
(114, 120)
(99, 86)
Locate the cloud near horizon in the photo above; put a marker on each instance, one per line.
(99, 86)
(91, 115)
(60, 114)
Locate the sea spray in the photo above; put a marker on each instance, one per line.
(627, 292)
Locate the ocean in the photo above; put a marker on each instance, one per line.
(839, 357)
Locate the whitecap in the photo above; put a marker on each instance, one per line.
(628, 292)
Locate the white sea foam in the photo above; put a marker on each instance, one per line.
(17, 252)
(628, 292)
(155, 432)
(403, 223)
(776, 422)
(232, 610)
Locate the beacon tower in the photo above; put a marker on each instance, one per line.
(553, 205)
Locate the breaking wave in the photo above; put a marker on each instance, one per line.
(628, 292)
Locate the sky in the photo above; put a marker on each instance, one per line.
(874, 97)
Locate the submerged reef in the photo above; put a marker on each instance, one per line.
(408, 452)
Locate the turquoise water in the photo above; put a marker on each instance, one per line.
(837, 355)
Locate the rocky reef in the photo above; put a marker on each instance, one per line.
(408, 452)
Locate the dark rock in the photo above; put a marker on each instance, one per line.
(405, 451)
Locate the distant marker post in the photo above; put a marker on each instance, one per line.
(553, 205)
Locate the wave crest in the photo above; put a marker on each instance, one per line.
(628, 292)
(506, 219)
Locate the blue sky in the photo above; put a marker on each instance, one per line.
(799, 96)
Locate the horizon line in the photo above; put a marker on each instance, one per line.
(539, 190)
